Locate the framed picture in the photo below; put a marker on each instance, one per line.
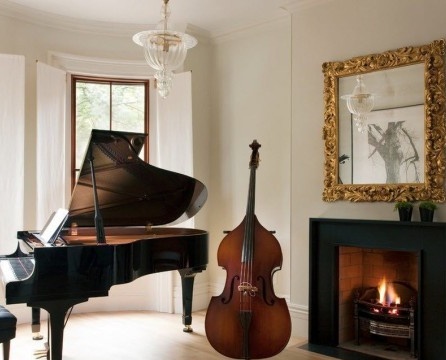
(391, 149)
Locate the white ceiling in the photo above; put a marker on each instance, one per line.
(213, 16)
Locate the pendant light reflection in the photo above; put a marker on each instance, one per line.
(360, 103)
(164, 50)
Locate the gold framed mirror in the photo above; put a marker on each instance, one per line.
(395, 151)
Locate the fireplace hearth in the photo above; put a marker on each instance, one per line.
(423, 245)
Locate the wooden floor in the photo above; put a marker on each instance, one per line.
(135, 335)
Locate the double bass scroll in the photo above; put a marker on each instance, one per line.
(248, 321)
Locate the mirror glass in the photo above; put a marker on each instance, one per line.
(398, 153)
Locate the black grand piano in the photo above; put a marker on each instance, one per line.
(112, 235)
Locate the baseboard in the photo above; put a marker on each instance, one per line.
(299, 320)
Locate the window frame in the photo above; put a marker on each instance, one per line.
(105, 80)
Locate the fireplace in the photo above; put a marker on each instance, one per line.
(377, 301)
(348, 257)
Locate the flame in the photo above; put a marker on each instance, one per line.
(382, 290)
(387, 294)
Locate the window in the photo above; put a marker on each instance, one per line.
(106, 104)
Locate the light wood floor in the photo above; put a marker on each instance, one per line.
(135, 335)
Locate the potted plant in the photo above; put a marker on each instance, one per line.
(427, 209)
(404, 210)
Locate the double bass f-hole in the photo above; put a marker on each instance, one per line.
(236, 320)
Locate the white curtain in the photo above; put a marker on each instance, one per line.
(51, 135)
(12, 153)
(171, 148)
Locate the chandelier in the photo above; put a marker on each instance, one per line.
(359, 103)
(164, 50)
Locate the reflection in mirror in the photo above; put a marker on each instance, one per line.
(359, 103)
(398, 151)
(398, 111)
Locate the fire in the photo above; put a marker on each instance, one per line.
(387, 294)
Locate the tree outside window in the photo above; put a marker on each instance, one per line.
(106, 104)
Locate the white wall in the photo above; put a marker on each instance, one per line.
(250, 87)
(241, 108)
(339, 30)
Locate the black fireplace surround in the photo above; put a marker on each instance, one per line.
(426, 239)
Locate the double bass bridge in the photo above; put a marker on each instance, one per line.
(247, 289)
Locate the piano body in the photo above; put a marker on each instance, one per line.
(113, 234)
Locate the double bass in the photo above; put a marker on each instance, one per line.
(248, 321)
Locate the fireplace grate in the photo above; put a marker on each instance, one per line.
(384, 329)
(396, 321)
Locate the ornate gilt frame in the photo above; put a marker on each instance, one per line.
(432, 55)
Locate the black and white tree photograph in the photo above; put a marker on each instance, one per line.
(390, 150)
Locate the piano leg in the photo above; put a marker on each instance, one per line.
(187, 284)
(57, 310)
(35, 324)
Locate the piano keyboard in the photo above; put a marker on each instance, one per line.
(14, 269)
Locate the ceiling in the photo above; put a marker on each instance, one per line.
(213, 16)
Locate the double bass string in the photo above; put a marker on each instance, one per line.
(246, 288)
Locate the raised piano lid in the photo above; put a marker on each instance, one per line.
(130, 191)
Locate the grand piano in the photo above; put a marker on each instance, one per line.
(113, 234)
